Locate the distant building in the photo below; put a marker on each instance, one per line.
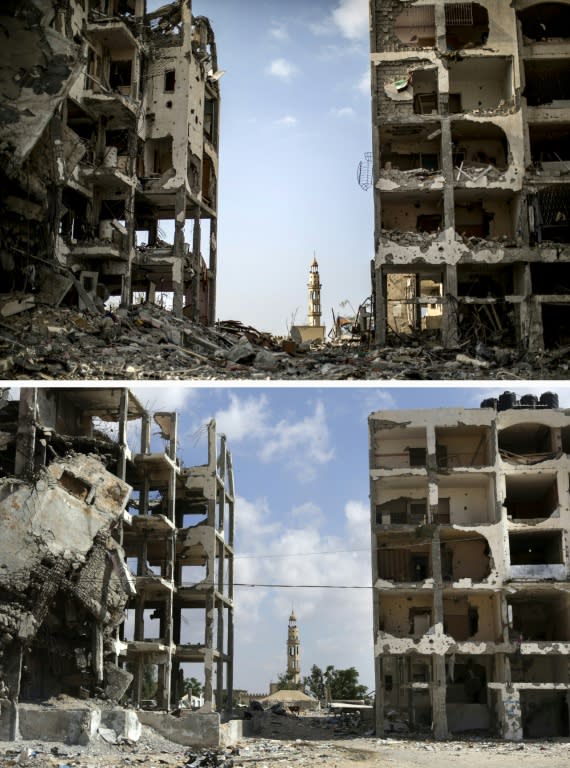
(293, 650)
(313, 331)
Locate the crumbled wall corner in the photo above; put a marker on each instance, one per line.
(62, 589)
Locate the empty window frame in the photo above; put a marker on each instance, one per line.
(169, 80)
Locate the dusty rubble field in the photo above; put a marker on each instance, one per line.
(293, 742)
(147, 342)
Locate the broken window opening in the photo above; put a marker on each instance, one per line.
(418, 457)
(461, 619)
(476, 146)
(401, 565)
(211, 119)
(467, 684)
(555, 325)
(402, 512)
(547, 82)
(545, 21)
(420, 621)
(442, 516)
(467, 26)
(526, 444)
(463, 446)
(539, 617)
(552, 214)
(484, 84)
(169, 80)
(542, 549)
(415, 27)
(120, 75)
(425, 90)
(550, 149)
(544, 714)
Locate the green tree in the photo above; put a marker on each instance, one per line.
(192, 687)
(337, 683)
(285, 683)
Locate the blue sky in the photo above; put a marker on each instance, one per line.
(301, 470)
(295, 122)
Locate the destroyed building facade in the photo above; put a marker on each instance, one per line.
(470, 522)
(117, 564)
(471, 161)
(109, 125)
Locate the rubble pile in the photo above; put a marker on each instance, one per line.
(147, 342)
(154, 752)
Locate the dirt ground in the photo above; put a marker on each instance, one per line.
(289, 741)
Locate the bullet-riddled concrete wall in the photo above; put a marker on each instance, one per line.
(455, 586)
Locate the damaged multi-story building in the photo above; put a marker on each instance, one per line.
(116, 563)
(471, 163)
(109, 125)
(470, 522)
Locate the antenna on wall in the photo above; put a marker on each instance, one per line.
(364, 172)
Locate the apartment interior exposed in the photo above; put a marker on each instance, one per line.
(470, 558)
(471, 121)
(105, 150)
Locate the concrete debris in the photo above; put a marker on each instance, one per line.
(148, 342)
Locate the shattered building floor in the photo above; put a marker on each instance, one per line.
(148, 342)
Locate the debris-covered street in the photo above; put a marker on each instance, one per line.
(295, 741)
(147, 342)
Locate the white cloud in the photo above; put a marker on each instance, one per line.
(342, 112)
(351, 17)
(283, 554)
(363, 85)
(243, 418)
(301, 444)
(282, 69)
(290, 120)
(279, 31)
(310, 513)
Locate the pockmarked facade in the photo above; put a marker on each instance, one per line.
(109, 125)
(470, 523)
(471, 162)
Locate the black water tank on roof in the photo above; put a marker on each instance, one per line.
(507, 400)
(529, 401)
(490, 402)
(549, 399)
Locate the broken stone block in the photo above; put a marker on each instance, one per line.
(242, 352)
(267, 360)
(117, 681)
(15, 306)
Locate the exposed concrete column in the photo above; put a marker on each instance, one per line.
(97, 655)
(380, 306)
(212, 271)
(123, 424)
(529, 332)
(438, 689)
(196, 250)
(178, 265)
(26, 434)
(379, 703)
(56, 199)
(209, 654)
(126, 281)
(145, 433)
(449, 329)
(511, 715)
